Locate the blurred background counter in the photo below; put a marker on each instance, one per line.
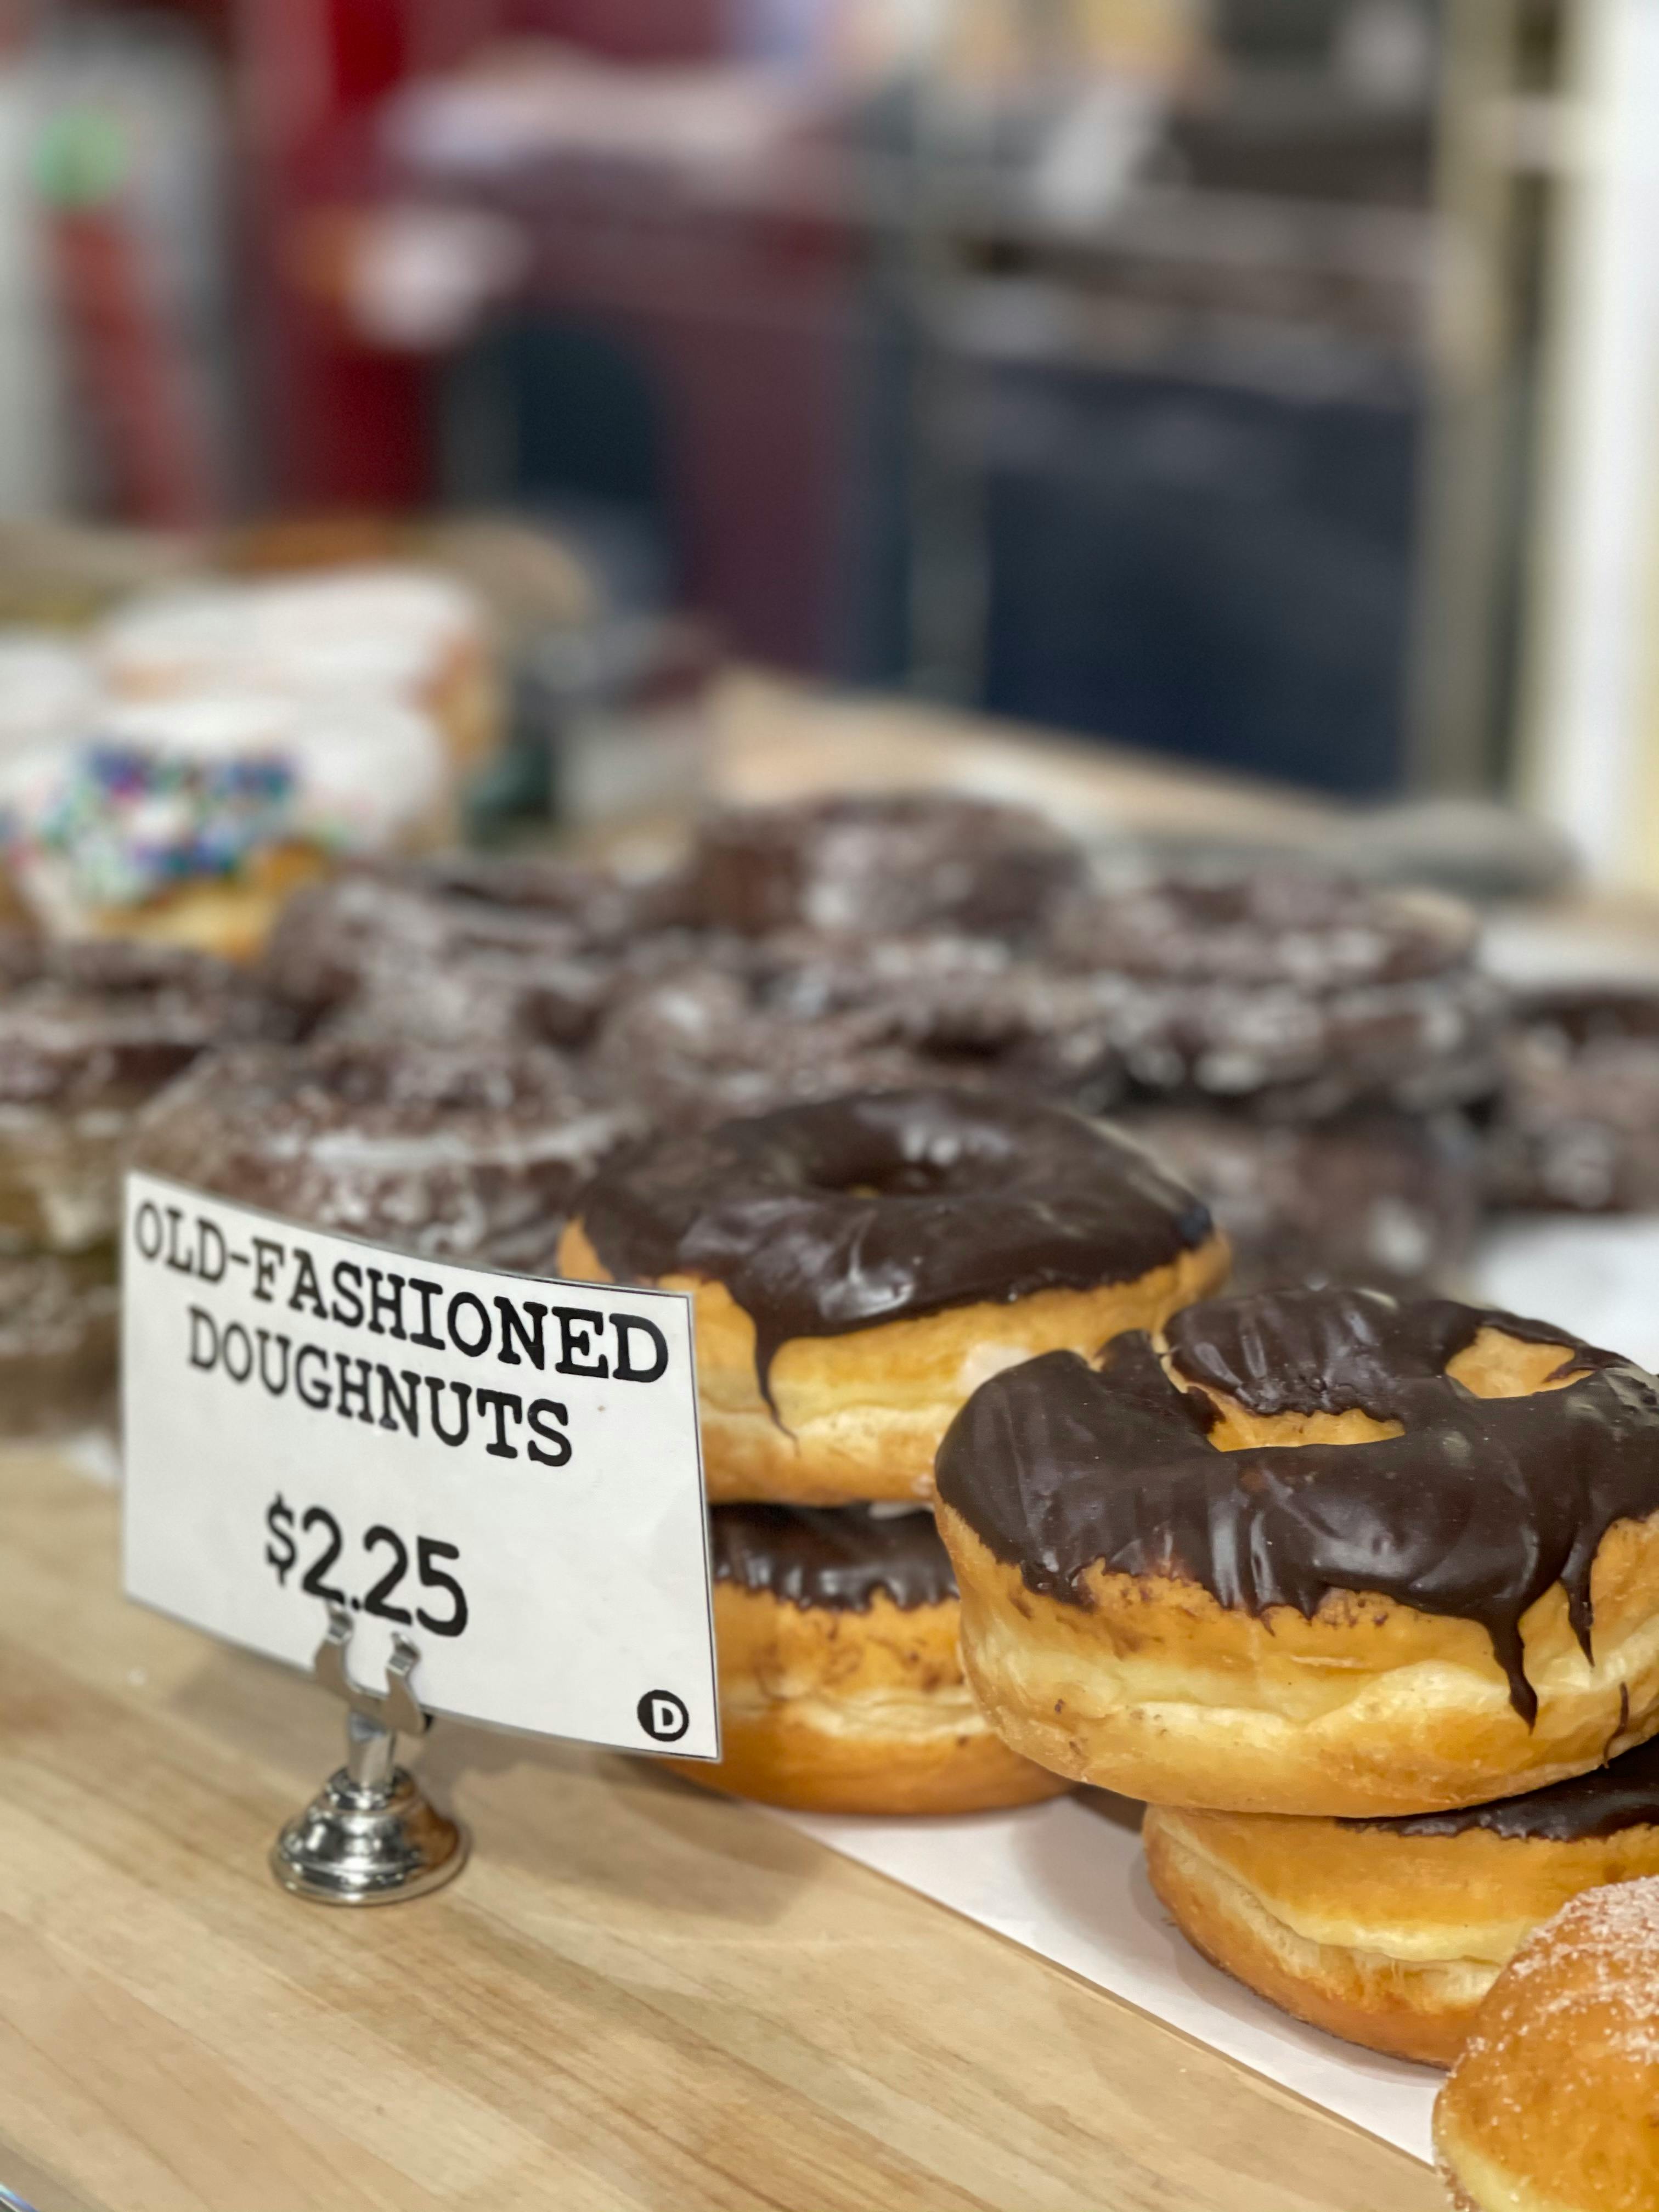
(1263, 383)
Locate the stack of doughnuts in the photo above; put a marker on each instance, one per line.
(857, 1267)
(228, 741)
(1361, 1595)
(88, 1033)
(1299, 1048)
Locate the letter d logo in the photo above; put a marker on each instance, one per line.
(663, 1717)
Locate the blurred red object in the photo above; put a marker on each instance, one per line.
(346, 422)
(128, 358)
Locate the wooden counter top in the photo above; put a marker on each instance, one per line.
(777, 738)
(635, 1995)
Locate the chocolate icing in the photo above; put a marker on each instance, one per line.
(1625, 1794)
(1319, 932)
(1476, 1510)
(824, 1219)
(393, 954)
(1341, 1351)
(837, 1559)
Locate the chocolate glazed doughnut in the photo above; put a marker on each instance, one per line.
(1388, 1200)
(470, 952)
(1298, 992)
(1575, 1123)
(1330, 1553)
(883, 862)
(860, 1265)
(1390, 1932)
(841, 1686)
(473, 1155)
(87, 1034)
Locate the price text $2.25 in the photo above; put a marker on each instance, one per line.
(387, 1557)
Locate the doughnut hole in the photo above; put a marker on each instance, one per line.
(1495, 1366)
(1498, 1366)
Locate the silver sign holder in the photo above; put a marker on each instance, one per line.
(370, 1836)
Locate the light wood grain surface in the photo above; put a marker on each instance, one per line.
(776, 738)
(636, 1994)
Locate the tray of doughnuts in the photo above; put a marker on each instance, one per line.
(1095, 1413)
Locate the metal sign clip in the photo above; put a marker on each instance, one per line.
(370, 1836)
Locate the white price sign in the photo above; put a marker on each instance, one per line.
(506, 1471)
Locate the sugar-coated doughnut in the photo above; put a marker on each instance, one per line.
(841, 1686)
(1553, 2104)
(1313, 1552)
(860, 1265)
(1390, 1932)
(458, 1154)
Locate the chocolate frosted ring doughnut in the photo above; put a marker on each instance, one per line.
(858, 1266)
(704, 1047)
(840, 1687)
(1301, 992)
(1550, 2107)
(1332, 1553)
(882, 863)
(452, 953)
(746, 1027)
(460, 1155)
(1390, 1933)
(88, 1033)
(1575, 1126)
